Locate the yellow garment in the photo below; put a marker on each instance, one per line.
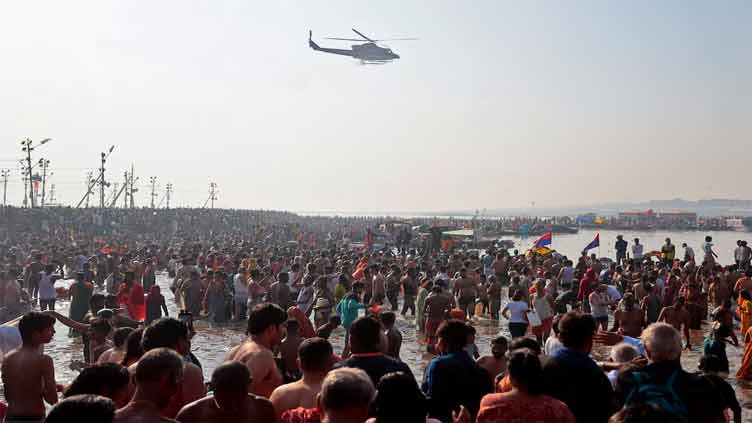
(745, 313)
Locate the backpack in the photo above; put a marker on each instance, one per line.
(661, 396)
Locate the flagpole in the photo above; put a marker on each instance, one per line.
(599, 245)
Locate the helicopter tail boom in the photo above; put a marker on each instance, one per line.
(316, 47)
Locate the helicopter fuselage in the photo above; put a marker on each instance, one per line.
(368, 52)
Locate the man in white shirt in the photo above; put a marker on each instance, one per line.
(637, 250)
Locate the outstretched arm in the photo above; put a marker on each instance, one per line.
(77, 326)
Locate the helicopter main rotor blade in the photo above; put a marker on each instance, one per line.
(399, 39)
(367, 39)
(385, 39)
(343, 39)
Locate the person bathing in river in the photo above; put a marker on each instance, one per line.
(629, 320)
(678, 317)
(155, 305)
(28, 375)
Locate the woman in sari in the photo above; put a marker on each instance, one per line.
(745, 368)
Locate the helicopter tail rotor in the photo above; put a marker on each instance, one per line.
(311, 44)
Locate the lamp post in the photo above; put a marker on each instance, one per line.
(4, 174)
(44, 163)
(27, 147)
(102, 182)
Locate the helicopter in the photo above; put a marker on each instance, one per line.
(368, 53)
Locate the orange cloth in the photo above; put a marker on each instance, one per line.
(504, 385)
(133, 300)
(745, 314)
(745, 368)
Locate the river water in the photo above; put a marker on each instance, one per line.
(212, 342)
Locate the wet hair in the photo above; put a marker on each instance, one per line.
(315, 355)
(157, 363)
(346, 388)
(133, 349)
(388, 318)
(264, 315)
(576, 329)
(101, 326)
(525, 371)
(164, 333)
(365, 334)
(82, 408)
(454, 333)
(394, 391)
(232, 376)
(99, 379)
(501, 342)
(34, 322)
(525, 343)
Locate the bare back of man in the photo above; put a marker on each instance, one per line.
(29, 380)
(296, 394)
(140, 412)
(674, 317)
(260, 361)
(206, 410)
(679, 318)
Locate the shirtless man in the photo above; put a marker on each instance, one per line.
(172, 333)
(288, 351)
(158, 376)
(316, 358)
(496, 363)
(29, 375)
(265, 330)
(231, 402)
(438, 305)
(677, 316)
(629, 320)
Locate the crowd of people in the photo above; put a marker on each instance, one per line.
(582, 339)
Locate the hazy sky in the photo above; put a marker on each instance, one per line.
(498, 104)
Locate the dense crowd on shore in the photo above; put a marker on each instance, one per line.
(293, 280)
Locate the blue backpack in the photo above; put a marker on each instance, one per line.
(661, 396)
